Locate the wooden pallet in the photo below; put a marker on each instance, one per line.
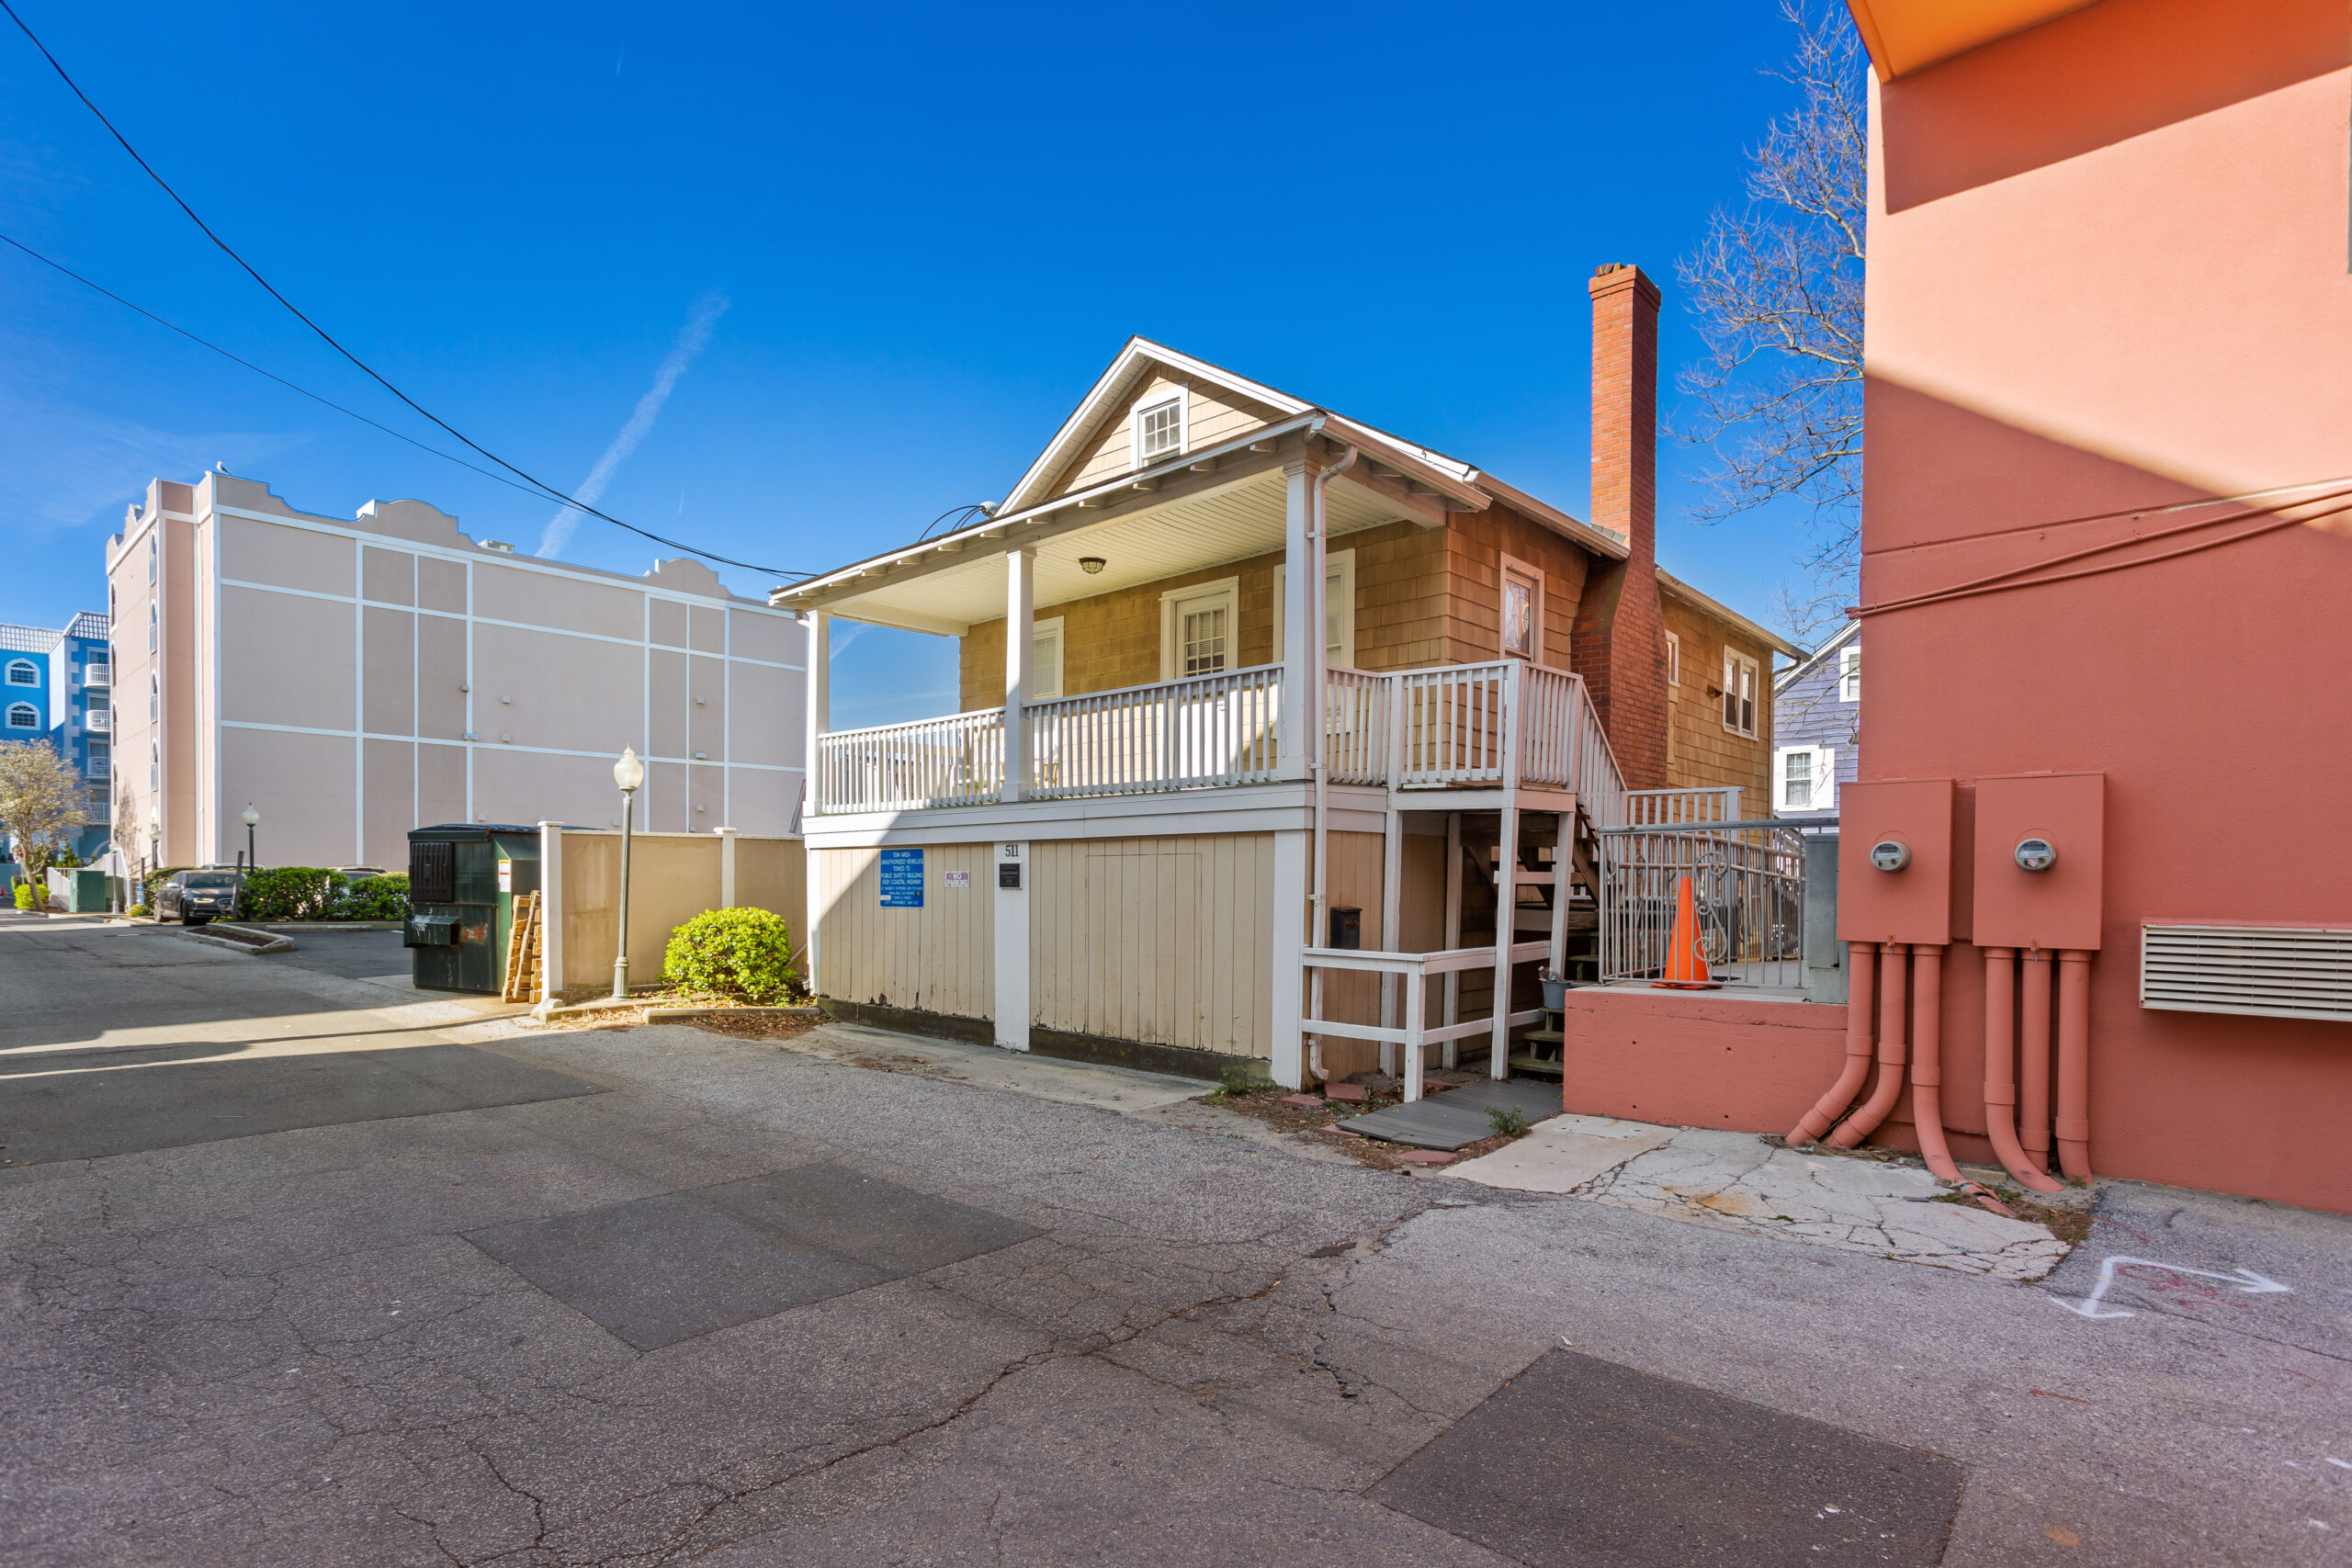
(523, 952)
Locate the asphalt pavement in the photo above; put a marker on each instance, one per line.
(463, 1294)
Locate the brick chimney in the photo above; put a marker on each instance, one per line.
(1618, 640)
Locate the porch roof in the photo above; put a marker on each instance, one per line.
(1206, 507)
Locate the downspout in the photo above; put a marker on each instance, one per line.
(1316, 740)
(1861, 969)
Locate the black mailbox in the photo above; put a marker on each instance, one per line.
(1347, 927)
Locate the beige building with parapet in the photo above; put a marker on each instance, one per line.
(352, 679)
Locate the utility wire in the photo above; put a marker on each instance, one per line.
(550, 492)
(964, 514)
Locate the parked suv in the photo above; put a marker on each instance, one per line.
(193, 898)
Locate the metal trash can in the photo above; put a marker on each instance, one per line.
(462, 879)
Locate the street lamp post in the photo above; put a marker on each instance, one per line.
(628, 773)
(252, 821)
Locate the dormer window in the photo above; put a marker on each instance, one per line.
(1160, 430)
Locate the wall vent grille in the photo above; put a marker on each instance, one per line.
(2260, 971)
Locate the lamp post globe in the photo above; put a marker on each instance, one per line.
(629, 773)
(252, 821)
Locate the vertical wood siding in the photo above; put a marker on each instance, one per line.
(934, 959)
(1159, 939)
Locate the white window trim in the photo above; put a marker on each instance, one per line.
(1045, 687)
(1342, 563)
(1825, 778)
(1229, 586)
(1535, 629)
(17, 707)
(28, 667)
(1183, 397)
(1673, 659)
(1733, 664)
(1849, 673)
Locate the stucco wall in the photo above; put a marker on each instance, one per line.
(2108, 272)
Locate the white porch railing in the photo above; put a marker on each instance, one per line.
(1415, 1034)
(1191, 734)
(1451, 725)
(1677, 807)
(956, 761)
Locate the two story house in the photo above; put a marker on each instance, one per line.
(1282, 738)
(1818, 727)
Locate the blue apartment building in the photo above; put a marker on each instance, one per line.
(59, 686)
(1818, 727)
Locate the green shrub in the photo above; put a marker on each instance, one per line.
(375, 898)
(1509, 1120)
(28, 897)
(157, 877)
(290, 893)
(137, 911)
(742, 955)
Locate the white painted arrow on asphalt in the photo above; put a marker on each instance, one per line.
(2242, 1280)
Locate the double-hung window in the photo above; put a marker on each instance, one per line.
(1804, 778)
(1739, 694)
(1849, 673)
(1198, 635)
(1673, 659)
(1045, 659)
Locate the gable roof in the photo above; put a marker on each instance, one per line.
(1813, 660)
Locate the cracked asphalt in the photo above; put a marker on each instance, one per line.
(281, 1348)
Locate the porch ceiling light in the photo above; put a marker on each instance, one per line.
(1091, 565)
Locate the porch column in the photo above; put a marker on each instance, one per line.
(1019, 656)
(1289, 1051)
(1300, 578)
(819, 652)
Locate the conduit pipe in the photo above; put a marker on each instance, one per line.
(2075, 1063)
(1861, 969)
(2033, 1058)
(1928, 1063)
(1863, 1122)
(1314, 730)
(2000, 1070)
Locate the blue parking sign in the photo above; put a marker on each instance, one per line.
(902, 879)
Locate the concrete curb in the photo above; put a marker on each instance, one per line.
(682, 1015)
(327, 925)
(273, 944)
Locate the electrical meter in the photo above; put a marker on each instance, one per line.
(1890, 854)
(2036, 854)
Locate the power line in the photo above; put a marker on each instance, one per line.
(550, 492)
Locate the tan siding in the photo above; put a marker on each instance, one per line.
(1216, 415)
(1476, 544)
(1700, 752)
(934, 959)
(1113, 640)
(1158, 940)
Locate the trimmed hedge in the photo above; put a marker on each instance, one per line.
(375, 898)
(28, 897)
(742, 955)
(290, 893)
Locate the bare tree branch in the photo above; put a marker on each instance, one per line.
(1777, 288)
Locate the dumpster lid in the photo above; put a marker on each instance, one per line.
(465, 832)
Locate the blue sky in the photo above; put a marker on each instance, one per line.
(838, 268)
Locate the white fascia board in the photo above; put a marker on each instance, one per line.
(1812, 662)
(1112, 384)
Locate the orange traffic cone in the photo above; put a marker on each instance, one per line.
(1685, 970)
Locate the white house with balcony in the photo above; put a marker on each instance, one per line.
(1170, 825)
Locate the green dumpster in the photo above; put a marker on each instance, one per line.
(463, 879)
